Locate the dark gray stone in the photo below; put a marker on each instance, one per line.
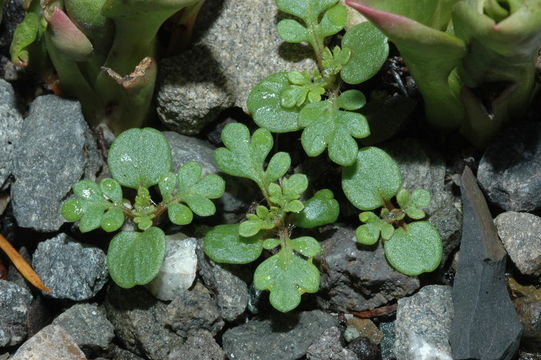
(510, 170)
(70, 269)
(422, 325)
(329, 346)
(117, 353)
(10, 130)
(387, 343)
(237, 47)
(55, 150)
(364, 349)
(199, 346)
(423, 168)
(485, 323)
(357, 278)
(88, 326)
(140, 322)
(14, 304)
(230, 290)
(284, 337)
(520, 233)
(194, 310)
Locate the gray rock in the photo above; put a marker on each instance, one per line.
(14, 305)
(52, 342)
(357, 278)
(520, 233)
(328, 346)
(88, 327)
(284, 337)
(364, 349)
(199, 346)
(235, 50)
(178, 269)
(140, 322)
(55, 150)
(422, 168)
(485, 324)
(387, 343)
(117, 353)
(70, 269)
(10, 129)
(194, 310)
(510, 170)
(230, 290)
(422, 325)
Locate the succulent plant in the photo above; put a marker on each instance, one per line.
(102, 50)
(473, 60)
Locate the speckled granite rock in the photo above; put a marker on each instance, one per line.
(520, 233)
(55, 150)
(237, 46)
(10, 128)
(423, 322)
(52, 342)
(328, 346)
(14, 305)
(70, 269)
(199, 346)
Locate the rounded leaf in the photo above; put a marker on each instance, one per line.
(374, 179)
(112, 190)
(223, 244)
(306, 245)
(265, 105)
(319, 210)
(135, 258)
(292, 31)
(367, 234)
(369, 50)
(403, 198)
(250, 227)
(294, 206)
(333, 21)
(139, 157)
(286, 276)
(278, 166)
(167, 185)
(112, 220)
(415, 213)
(91, 220)
(270, 244)
(179, 214)
(420, 198)
(72, 210)
(351, 100)
(414, 250)
(296, 184)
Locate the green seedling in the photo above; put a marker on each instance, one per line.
(103, 51)
(473, 60)
(289, 271)
(140, 159)
(313, 101)
(411, 247)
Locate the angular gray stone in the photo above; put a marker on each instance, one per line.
(485, 324)
(70, 269)
(283, 337)
(520, 233)
(88, 326)
(55, 150)
(178, 269)
(10, 129)
(237, 47)
(423, 168)
(194, 310)
(52, 342)
(14, 305)
(230, 290)
(510, 170)
(328, 346)
(199, 346)
(357, 278)
(140, 322)
(422, 325)
(387, 343)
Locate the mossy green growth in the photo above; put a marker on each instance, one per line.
(140, 159)
(289, 271)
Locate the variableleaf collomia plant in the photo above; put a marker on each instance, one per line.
(473, 60)
(102, 50)
(140, 159)
(288, 272)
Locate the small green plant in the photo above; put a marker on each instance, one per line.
(473, 60)
(288, 272)
(140, 159)
(411, 247)
(103, 51)
(312, 101)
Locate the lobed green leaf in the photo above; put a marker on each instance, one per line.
(224, 244)
(292, 31)
(319, 210)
